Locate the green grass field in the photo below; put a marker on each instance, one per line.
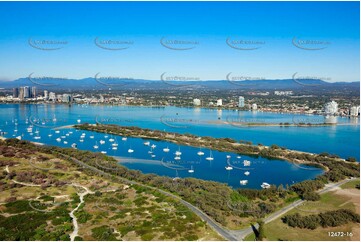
(277, 230)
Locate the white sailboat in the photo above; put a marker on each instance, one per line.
(79, 121)
(166, 150)
(115, 144)
(228, 156)
(178, 152)
(58, 139)
(65, 142)
(130, 150)
(200, 152)
(91, 136)
(247, 173)
(102, 142)
(238, 157)
(147, 143)
(191, 170)
(103, 152)
(177, 157)
(74, 145)
(229, 168)
(124, 138)
(210, 157)
(57, 131)
(96, 146)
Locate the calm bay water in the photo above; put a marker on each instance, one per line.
(342, 140)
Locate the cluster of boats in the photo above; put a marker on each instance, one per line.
(114, 146)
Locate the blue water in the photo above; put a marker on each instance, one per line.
(342, 140)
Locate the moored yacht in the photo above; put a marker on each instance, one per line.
(191, 170)
(210, 157)
(178, 152)
(246, 163)
(166, 150)
(265, 185)
(243, 182)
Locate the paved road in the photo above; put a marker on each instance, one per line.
(232, 235)
(225, 233)
(241, 234)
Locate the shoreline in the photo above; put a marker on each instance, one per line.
(175, 106)
(233, 147)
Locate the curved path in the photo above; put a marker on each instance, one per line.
(241, 234)
(71, 214)
(225, 233)
(232, 235)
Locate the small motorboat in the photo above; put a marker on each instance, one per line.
(265, 185)
(243, 182)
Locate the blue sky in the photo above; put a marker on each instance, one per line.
(335, 25)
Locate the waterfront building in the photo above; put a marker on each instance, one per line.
(219, 102)
(46, 95)
(33, 92)
(66, 98)
(241, 102)
(52, 96)
(196, 102)
(27, 93)
(15, 92)
(355, 111)
(21, 93)
(331, 108)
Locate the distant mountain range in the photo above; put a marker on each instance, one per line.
(93, 83)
